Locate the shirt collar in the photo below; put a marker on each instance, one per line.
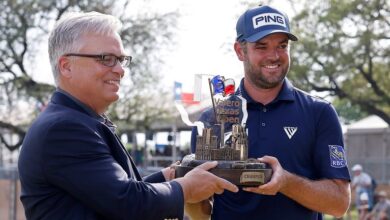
(102, 118)
(286, 93)
(82, 105)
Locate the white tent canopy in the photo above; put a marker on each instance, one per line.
(371, 123)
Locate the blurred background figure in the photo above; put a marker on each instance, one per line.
(363, 206)
(362, 184)
(381, 210)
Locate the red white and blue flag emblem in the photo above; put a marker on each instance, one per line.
(183, 97)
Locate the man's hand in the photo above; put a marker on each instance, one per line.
(278, 179)
(329, 196)
(169, 172)
(199, 184)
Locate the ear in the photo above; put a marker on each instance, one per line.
(65, 66)
(239, 51)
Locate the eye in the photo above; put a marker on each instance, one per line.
(108, 58)
(283, 46)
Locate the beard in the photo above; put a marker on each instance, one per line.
(260, 80)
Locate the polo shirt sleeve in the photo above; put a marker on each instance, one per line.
(329, 155)
(194, 133)
(207, 117)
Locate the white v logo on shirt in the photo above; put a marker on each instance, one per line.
(290, 131)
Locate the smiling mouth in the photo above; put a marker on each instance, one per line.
(114, 82)
(271, 66)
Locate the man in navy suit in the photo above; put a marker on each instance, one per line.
(72, 165)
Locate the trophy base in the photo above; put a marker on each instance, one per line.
(241, 173)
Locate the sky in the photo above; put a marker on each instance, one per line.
(205, 41)
(205, 38)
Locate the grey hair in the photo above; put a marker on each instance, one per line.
(71, 27)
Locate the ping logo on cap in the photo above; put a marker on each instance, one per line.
(268, 19)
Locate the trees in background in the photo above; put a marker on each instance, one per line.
(24, 29)
(344, 51)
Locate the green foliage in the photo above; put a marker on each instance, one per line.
(347, 111)
(144, 98)
(24, 27)
(344, 49)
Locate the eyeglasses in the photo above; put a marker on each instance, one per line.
(109, 60)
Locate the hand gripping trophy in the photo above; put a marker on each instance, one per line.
(222, 136)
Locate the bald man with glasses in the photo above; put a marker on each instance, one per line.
(72, 165)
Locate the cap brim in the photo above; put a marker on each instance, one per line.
(263, 34)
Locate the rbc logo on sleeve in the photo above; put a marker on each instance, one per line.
(337, 156)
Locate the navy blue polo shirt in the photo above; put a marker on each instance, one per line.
(303, 132)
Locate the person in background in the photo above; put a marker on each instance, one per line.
(297, 134)
(363, 208)
(381, 210)
(362, 183)
(72, 165)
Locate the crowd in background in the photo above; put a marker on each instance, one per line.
(371, 205)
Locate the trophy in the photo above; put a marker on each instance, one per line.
(223, 137)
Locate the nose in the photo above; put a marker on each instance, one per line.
(118, 68)
(273, 54)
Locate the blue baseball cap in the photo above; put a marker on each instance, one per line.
(259, 22)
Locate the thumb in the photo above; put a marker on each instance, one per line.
(208, 165)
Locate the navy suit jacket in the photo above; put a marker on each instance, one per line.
(72, 166)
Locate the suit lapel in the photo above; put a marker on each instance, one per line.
(118, 150)
(129, 161)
